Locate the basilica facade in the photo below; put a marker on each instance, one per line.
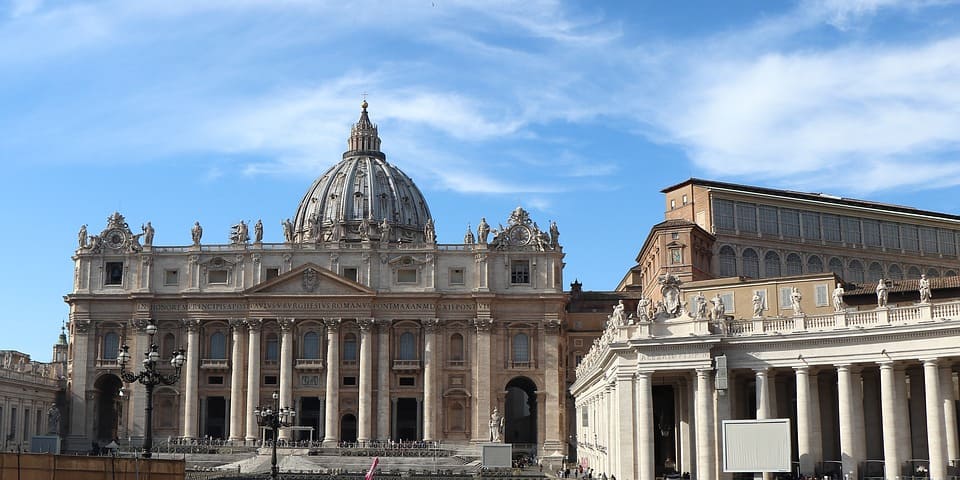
(363, 322)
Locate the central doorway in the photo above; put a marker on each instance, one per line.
(309, 416)
(406, 419)
(107, 408)
(216, 423)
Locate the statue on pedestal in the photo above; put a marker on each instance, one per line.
(496, 426)
(925, 294)
(881, 293)
(196, 232)
(838, 305)
(53, 420)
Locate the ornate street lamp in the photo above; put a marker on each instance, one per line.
(150, 377)
(274, 418)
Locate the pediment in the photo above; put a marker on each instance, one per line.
(311, 279)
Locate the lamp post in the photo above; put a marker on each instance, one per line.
(274, 417)
(150, 377)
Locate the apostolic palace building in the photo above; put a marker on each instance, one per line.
(840, 315)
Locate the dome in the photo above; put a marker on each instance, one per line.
(363, 197)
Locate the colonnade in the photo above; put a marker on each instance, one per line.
(877, 419)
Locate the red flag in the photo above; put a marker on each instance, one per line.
(373, 466)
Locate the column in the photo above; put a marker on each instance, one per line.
(936, 437)
(236, 381)
(902, 414)
(80, 430)
(190, 400)
(804, 430)
(552, 399)
(816, 447)
(763, 393)
(949, 411)
(136, 393)
(253, 377)
(383, 381)
(888, 413)
(856, 395)
(705, 468)
(332, 416)
(429, 378)
(364, 426)
(481, 391)
(625, 458)
(847, 423)
(286, 369)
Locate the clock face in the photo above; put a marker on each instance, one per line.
(115, 238)
(520, 235)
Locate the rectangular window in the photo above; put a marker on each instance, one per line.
(871, 233)
(350, 273)
(728, 306)
(584, 418)
(272, 272)
(684, 199)
(520, 271)
(723, 215)
(910, 238)
(747, 217)
(790, 223)
(676, 256)
(408, 381)
(349, 381)
(831, 228)
(215, 380)
(948, 243)
(822, 297)
(673, 204)
(851, 230)
(114, 273)
(456, 276)
(785, 301)
(171, 277)
(269, 379)
(928, 240)
(768, 220)
(310, 380)
(217, 277)
(13, 421)
(891, 235)
(407, 275)
(811, 225)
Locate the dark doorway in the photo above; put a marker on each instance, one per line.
(665, 432)
(309, 416)
(406, 419)
(108, 408)
(520, 412)
(216, 417)
(348, 428)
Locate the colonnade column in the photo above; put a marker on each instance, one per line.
(763, 393)
(645, 463)
(429, 377)
(888, 413)
(481, 425)
(80, 429)
(624, 435)
(935, 428)
(902, 414)
(236, 381)
(847, 424)
(331, 435)
(286, 369)
(949, 411)
(364, 426)
(705, 468)
(383, 380)
(190, 400)
(253, 376)
(804, 430)
(552, 442)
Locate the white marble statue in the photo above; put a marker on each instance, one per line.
(881, 293)
(795, 299)
(757, 305)
(700, 306)
(619, 316)
(838, 305)
(717, 311)
(496, 426)
(924, 287)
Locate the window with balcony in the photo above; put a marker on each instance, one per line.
(272, 352)
(456, 350)
(408, 346)
(311, 345)
(521, 351)
(111, 346)
(350, 349)
(218, 346)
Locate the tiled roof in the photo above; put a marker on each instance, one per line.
(897, 286)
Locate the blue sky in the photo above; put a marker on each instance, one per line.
(221, 110)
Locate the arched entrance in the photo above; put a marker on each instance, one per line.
(520, 412)
(348, 428)
(108, 409)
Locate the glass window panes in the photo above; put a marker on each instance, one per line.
(891, 235)
(350, 347)
(521, 348)
(723, 214)
(311, 345)
(727, 302)
(928, 240)
(836, 266)
(811, 225)
(875, 272)
(871, 233)
(814, 264)
(785, 300)
(272, 352)
(218, 346)
(851, 230)
(856, 271)
(894, 273)
(520, 271)
(407, 347)
(771, 265)
(114, 273)
(728, 261)
(948, 245)
(751, 263)
(111, 346)
(831, 227)
(910, 238)
(821, 295)
(746, 217)
(794, 264)
(790, 223)
(768, 220)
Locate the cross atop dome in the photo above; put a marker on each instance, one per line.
(364, 138)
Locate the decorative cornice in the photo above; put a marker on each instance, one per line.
(333, 324)
(254, 324)
(191, 324)
(286, 324)
(366, 324)
(483, 324)
(236, 324)
(430, 325)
